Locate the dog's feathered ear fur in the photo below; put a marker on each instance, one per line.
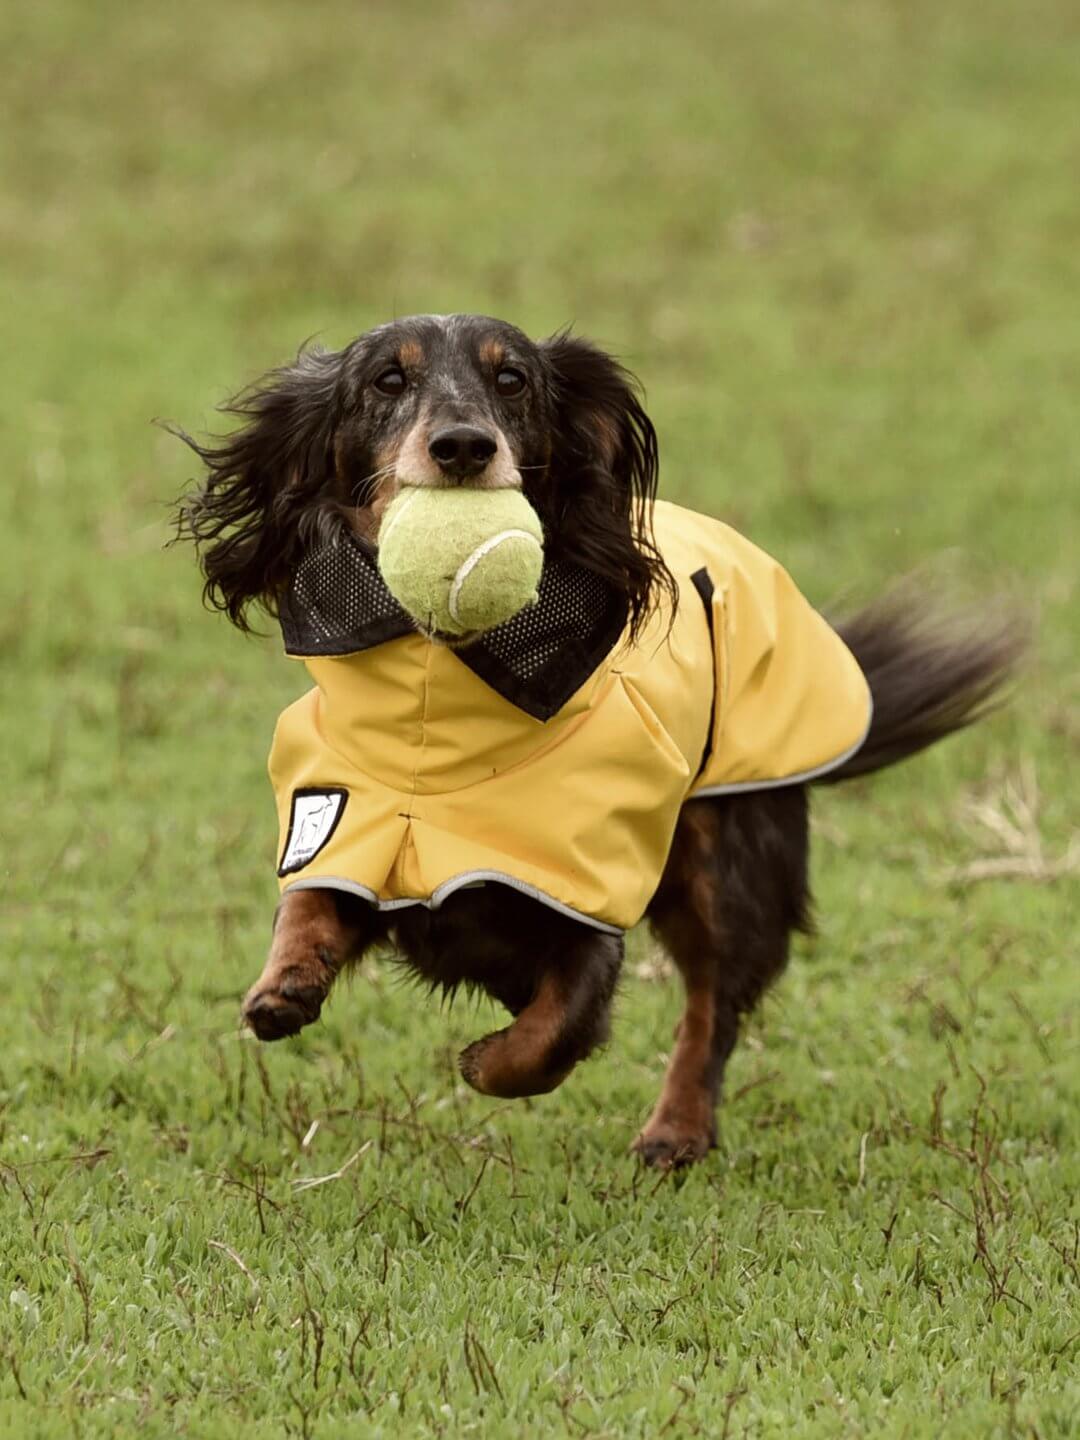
(603, 471)
(259, 502)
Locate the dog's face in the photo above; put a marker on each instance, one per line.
(432, 400)
(440, 400)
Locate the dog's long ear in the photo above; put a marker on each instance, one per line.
(260, 497)
(603, 473)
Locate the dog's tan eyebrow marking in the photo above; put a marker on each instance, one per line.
(411, 353)
(493, 353)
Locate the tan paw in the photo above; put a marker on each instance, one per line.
(496, 1066)
(668, 1146)
(284, 1006)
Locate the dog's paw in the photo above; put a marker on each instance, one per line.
(494, 1065)
(670, 1147)
(273, 1012)
(469, 1064)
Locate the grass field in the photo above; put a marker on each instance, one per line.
(841, 244)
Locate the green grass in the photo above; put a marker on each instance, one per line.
(841, 243)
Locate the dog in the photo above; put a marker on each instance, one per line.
(322, 447)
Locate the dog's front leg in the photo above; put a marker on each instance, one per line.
(566, 1018)
(316, 933)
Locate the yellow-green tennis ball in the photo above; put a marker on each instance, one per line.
(461, 560)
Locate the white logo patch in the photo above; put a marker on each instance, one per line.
(314, 818)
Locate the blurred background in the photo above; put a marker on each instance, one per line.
(838, 241)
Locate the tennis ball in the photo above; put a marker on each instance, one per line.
(461, 560)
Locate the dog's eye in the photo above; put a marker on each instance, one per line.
(391, 382)
(509, 382)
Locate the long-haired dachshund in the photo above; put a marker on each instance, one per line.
(323, 445)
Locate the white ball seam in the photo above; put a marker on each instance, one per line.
(387, 530)
(469, 564)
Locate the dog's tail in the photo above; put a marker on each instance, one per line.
(930, 671)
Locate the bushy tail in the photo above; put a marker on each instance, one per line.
(930, 672)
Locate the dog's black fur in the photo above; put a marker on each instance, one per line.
(319, 447)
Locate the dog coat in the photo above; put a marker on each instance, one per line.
(551, 755)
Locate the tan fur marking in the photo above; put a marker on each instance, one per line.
(682, 1119)
(301, 966)
(414, 465)
(514, 1062)
(493, 353)
(366, 517)
(411, 354)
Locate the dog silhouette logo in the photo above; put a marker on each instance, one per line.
(312, 821)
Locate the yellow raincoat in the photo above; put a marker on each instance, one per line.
(403, 776)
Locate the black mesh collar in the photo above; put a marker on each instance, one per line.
(337, 604)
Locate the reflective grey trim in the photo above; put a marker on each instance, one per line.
(320, 882)
(802, 778)
(449, 887)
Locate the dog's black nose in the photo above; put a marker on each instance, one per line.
(462, 450)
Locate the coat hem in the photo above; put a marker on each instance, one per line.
(802, 777)
(449, 887)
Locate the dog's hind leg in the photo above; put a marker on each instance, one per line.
(733, 890)
(566, 1017)
(316, 933)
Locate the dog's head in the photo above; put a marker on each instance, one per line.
(433, 400)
